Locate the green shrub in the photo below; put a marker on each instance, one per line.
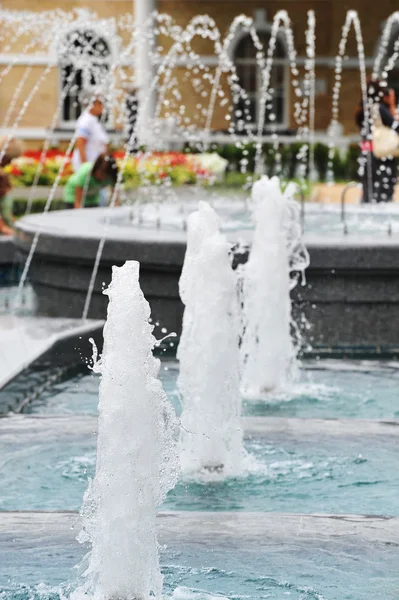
(352, 159)
(238, 180)
(321, 160)
(339, 166)
(233, 154)
(268, 154)
(293, 160)
(345, 166)
(249, 153)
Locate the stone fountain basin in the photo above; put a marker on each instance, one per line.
(351, 297)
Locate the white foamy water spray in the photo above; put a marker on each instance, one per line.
(268, 349)
(211, 436)
(137, 460)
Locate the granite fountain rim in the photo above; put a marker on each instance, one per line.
(62, 223)
(75, 234)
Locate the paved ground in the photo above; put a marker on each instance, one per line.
(325, 193)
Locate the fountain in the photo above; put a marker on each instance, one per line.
(324, 451)
(209, 380)
(202, 94)
(137, 460)
(269, 354)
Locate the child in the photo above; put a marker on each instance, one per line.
(83, 187)
(12, 149)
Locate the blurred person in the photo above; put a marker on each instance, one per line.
(389, 100)
(12, 149)
(91, 136)
(83, 187)
(378, 175)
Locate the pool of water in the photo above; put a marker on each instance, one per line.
(45, 464)
(327, 219)
(233, 209)
(254, 538)
(38, 555)
(305, 469)
(327, 389)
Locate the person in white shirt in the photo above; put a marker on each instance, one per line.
(91, 136)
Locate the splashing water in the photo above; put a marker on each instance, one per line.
(217, 93)
(211, 436)
(352, 20)
(137, 460)
(268, 350)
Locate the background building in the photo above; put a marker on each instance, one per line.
(37, 66)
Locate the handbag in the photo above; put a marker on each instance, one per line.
(385, 139)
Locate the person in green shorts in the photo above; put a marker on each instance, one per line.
(83, 187)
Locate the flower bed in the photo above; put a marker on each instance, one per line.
(22, 171)
(142, 169)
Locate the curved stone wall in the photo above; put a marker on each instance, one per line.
(351, 297)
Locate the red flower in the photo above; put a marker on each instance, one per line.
(15, 171)
(33, 154)
(48, 155)
(178, 160)
(202, 173)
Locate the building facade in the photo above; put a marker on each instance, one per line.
(42, 75)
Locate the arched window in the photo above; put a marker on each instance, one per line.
(250, 78)
(85, 63)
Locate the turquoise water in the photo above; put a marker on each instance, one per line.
(356, 475)
(313, 473)
(36, 566)
(47, 455)
(327, 389)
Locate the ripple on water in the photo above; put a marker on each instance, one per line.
(326, 389)
(269, 589)
(77, 467)
(281, 474)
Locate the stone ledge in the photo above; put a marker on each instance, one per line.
(238, 528)
(351, 297)
(7, 250)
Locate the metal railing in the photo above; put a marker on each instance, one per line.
(302, 200)
(349, 186)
